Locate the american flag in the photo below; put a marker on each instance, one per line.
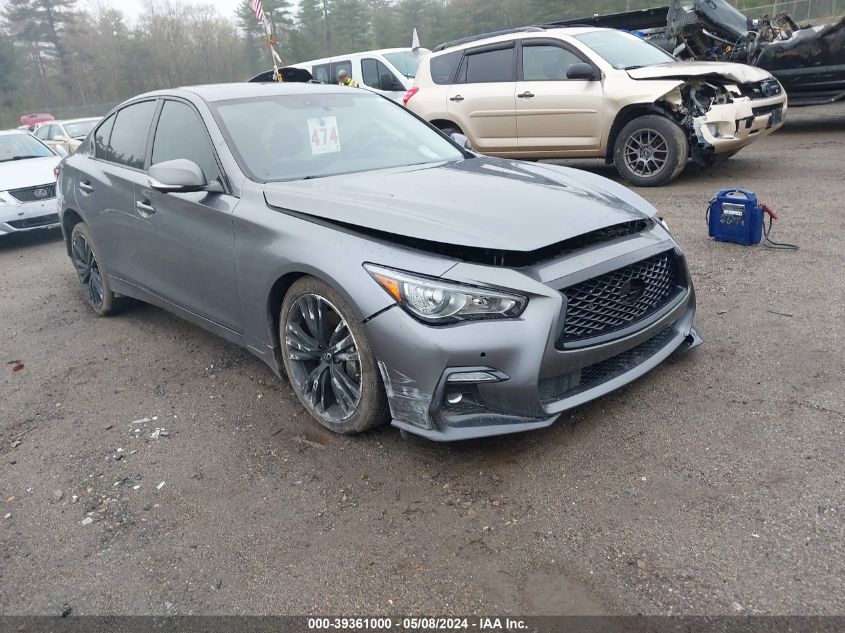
(258, 7)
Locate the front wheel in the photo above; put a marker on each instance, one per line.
(650, 151)
(328, 359)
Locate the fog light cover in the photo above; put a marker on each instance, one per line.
(475, 377)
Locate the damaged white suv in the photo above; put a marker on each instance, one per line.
(588, 92)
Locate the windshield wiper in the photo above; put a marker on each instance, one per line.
(634, 67)
(6, 160)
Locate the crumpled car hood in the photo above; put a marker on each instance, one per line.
(482, 202)
(739, 73)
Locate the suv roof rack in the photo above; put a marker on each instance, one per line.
(484, 36)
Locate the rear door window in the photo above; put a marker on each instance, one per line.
(128, 144)
(321, 73)
(341, 65)
(490, 66)
(182, 134)
(443, 67)
(101, 138)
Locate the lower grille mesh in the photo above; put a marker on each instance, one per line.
(31, 223)
(567, 385)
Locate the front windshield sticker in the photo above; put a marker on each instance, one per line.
(324, 135)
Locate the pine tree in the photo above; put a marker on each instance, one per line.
(313, 36)
(350, 26)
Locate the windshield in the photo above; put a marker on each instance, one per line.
(407, 62)
(21, 146)
(80, 129)
(292, 137)
(624, 51)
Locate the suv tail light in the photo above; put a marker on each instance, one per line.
(411, 92)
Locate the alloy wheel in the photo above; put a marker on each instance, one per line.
(323, 355)
(646, 152)
(88, 270)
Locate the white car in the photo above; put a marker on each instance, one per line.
(388, 71)
(27, 183)
(67, 134)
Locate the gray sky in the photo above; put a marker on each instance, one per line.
(133, 8)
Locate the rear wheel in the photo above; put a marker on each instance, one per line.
(92, 275)
(328, 359)
(650, 151)
(450, 129)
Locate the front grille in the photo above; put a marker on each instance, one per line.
(766, 109)
(620, 298)
(31, 223)
(574, 382)
(34, 194)
(761, 89)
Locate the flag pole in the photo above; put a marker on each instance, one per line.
(258, 7)
(277, 61)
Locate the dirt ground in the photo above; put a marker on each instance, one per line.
(714, 485)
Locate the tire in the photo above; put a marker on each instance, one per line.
(92, 275)
(324, 379)
(448, 130)
(666, 159)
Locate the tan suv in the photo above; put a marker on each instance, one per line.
(589, 92)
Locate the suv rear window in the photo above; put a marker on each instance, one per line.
(490, 66)
(443, 67)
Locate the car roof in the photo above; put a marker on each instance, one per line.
(521, 34)
(345, 56)
(225, 92)
(82, 120)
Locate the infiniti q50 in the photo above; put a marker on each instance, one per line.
(389, 273)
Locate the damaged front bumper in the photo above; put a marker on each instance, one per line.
(730, 126)
(505, 376)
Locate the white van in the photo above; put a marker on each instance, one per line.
(389, 71)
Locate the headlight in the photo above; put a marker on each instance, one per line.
(438, 302)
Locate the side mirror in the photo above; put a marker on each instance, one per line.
(60, 150)
(180, 176)
(461, 140)
(61, 138)
(582, 70)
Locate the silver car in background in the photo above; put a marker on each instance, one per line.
(388, 272)
(27, 183)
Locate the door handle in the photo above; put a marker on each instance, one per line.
(526, 95)
(456, 98)
(86, 187)
(145, 208)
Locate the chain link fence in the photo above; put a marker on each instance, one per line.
(11, 119)
(815, 11)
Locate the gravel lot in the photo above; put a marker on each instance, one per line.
(714, 485)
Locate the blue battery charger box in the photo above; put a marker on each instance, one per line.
(735, 216)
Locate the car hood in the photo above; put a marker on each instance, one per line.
(481, 202)
(29, 172)
(739, 73)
